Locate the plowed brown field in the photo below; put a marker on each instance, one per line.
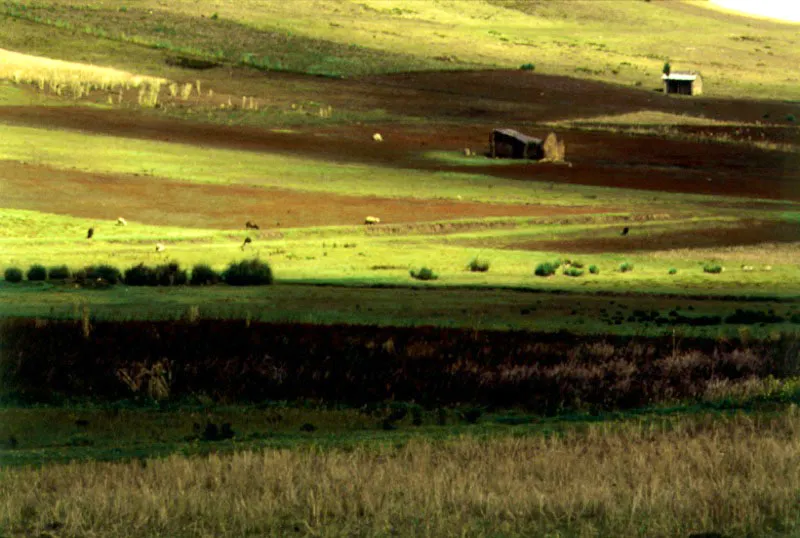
(463, 107)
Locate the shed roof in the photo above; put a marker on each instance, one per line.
(519, 136)
(681, 75)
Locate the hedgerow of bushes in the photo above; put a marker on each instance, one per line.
(13, 274)
(36, 273)
(246, 273)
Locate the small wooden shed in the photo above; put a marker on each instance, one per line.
(512, 144)
(683, 82)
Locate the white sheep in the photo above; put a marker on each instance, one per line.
(160, 247)
(121, 221)
(372, 220)
(377, 137)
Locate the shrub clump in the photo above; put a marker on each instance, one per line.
(572, 271)
(546, 268)
(425, 273)
(59, 272)
(203, 274)
(139, 275)
(106, 273)
(170, 274)
(594, 269)
(36, 273)
(712, 268)
(477, 265)
(672, 270)
(527, 67)
(625, 267)
(13, 274)
(248, 273)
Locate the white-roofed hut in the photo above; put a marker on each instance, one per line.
(683, 82)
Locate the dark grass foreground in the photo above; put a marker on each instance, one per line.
(239, 361)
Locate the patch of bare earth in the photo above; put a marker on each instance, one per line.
(159, 201)
(748, 233)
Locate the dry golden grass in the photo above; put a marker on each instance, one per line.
(645, 117)
(763, 253)
(734, 475)
(74, 78)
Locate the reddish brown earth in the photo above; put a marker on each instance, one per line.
(751, 233)
(160, 201)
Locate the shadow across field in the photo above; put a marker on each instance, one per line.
(240, 361)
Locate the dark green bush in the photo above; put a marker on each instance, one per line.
(572, 271)
(13, 274)
(594, 269)
(203, 274)
(424, 273)
(576, 264)
(140, 275)
(107, 273)
(712, 268)
(546, 268)
(625, 267)
(476, 265)
(59, 272)
(36, 273)
(791, 118)
(672, 270)
(170, 274)
(248, 273)
(527, 67)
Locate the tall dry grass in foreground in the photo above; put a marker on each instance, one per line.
(737, 475)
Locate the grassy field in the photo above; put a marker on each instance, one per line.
(734, 474)
(625, 43)
(349, 398)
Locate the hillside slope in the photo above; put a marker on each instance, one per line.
(621, 42)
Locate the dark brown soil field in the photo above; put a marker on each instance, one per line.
(750, 233)
(463, 107)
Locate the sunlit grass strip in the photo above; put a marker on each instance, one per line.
(71, 78)
(734, 476)
(96, 153)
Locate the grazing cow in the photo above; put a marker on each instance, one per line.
(377, 137)
(160, 247)
(247, 241)
(625, 231)
(121, 222)
(372, 220)
(251, 225)
(90, 233)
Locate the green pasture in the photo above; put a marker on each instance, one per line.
(353, 255)
(352, 274)
(619, 42)
(193, 164)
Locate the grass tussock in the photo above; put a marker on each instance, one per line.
(424, 273)
(735, 476)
